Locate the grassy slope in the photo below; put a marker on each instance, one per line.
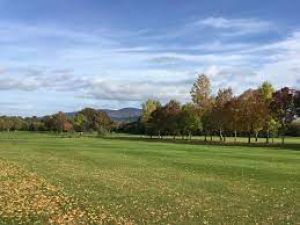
(163, 182)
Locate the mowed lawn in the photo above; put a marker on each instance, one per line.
(142, 182)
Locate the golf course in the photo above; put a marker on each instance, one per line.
(49, 179)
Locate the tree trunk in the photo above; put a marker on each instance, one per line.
(205, 136)
(283, 133)
(235, 134)
(190, 135)
(249, 137)
(256, 136)
(211, 137)
(220, 134)
(268, 136)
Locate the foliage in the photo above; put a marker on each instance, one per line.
(259, 112)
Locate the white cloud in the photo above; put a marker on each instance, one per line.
(105, 69)
(235, 26)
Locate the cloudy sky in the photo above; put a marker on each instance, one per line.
(66, 55)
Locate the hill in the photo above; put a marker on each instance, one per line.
(119, 115)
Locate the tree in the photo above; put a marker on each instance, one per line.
(252, 112)
(189, 120)
(231, 114)
(147, 108)
(201, 92)
(60, 121)
(157, 121)
(266, 90)
(283, 108)
(79, 122)
(201, 97)
(297, 102)
(218, 110)
(172, 113)
(95, 120)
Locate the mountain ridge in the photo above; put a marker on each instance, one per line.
(127, 114)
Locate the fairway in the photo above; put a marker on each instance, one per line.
(114, 181)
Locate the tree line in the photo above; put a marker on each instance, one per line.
(86, 120)
(260, 112)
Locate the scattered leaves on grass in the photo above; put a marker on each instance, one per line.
(26, 198)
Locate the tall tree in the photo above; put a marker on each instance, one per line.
(231, 114)
(283, 108)
(297, 102)
(201, 97)
(60, 121)
(201, 92)
(79, 122)
(172, 111)
(148, 108)
(266, 90)
(218, 110)
(95, 120)
(252, 112)
(157, 121)
(189, 120)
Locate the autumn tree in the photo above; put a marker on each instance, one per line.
(201, 92)
(283, 108)
(157, 121)
(231, 114)
(218, 110)
(266, 90)
(297, 102)
(252, 110)
(172, 112)
(147, 108)
(93, 120)
(201, 97)
(79, 122)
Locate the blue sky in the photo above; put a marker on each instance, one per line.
(66, 55)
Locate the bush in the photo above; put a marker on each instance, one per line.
(103, 132)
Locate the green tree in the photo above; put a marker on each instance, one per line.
(79, 122)
(148, 108)
(189, 120)
(266, 90)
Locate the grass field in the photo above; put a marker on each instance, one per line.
(45, 179)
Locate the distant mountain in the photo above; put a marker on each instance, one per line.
(119, 115)
(125, 114)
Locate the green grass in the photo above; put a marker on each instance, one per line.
(166, 183)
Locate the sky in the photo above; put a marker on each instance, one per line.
(66, 55)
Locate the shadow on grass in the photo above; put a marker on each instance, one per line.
(286, 146)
